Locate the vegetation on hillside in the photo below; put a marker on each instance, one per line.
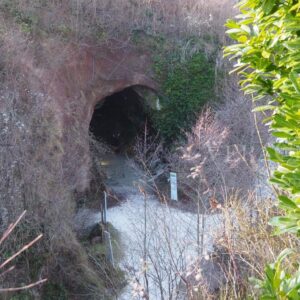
(217, 162)
(105, 19)
(183, 38)
(31, 147)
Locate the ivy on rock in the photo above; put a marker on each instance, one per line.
(187, 86)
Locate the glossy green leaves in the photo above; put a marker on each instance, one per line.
(279, 284)
(267, 56)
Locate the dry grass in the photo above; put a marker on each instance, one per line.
(221, 155)
(120, 18)
(247, 240)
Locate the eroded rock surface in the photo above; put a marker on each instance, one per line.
(73, 79)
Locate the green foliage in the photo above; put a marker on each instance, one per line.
(279, 284)
(187, 86)
(62, 30)
(54, 291)
(268, 50)
(27, 22)
(187, 78)
(24, 295)
(267, 53)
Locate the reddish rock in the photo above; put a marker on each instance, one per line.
(73, 79)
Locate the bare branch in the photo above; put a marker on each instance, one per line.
(7, 271)
(11, 228)
(26, 287)
(20, 251)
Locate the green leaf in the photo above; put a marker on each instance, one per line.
(287, 202)
(266, 54)
(264, 108)
(293, 45)
(271, 66)
(267, 6)
(282, 134)
(294, 77)
(274, 155)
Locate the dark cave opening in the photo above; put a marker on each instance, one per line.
(118, 119)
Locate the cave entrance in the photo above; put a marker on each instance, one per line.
(119, 118)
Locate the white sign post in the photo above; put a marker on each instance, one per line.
(173, 183)
(104, 209)
(109, 250)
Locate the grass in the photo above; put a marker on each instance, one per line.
(248, 237)
(112, 278)
(100, 249)
(104, 19)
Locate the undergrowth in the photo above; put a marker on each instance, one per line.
(186, 87)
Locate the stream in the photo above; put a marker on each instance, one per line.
(158, 242)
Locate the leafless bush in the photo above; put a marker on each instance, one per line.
(247, 239)
(221, 154)
(172, 247)
(163, 249)
(149, 152)
(163, 258)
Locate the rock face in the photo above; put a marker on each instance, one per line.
(73, 79)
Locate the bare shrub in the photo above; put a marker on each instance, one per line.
(222, 152)
(248, 240)
(149, 153)
(237, 245)
(162, 249)
(178, 257)
(170, 17)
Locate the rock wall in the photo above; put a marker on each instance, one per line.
(73, 79)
